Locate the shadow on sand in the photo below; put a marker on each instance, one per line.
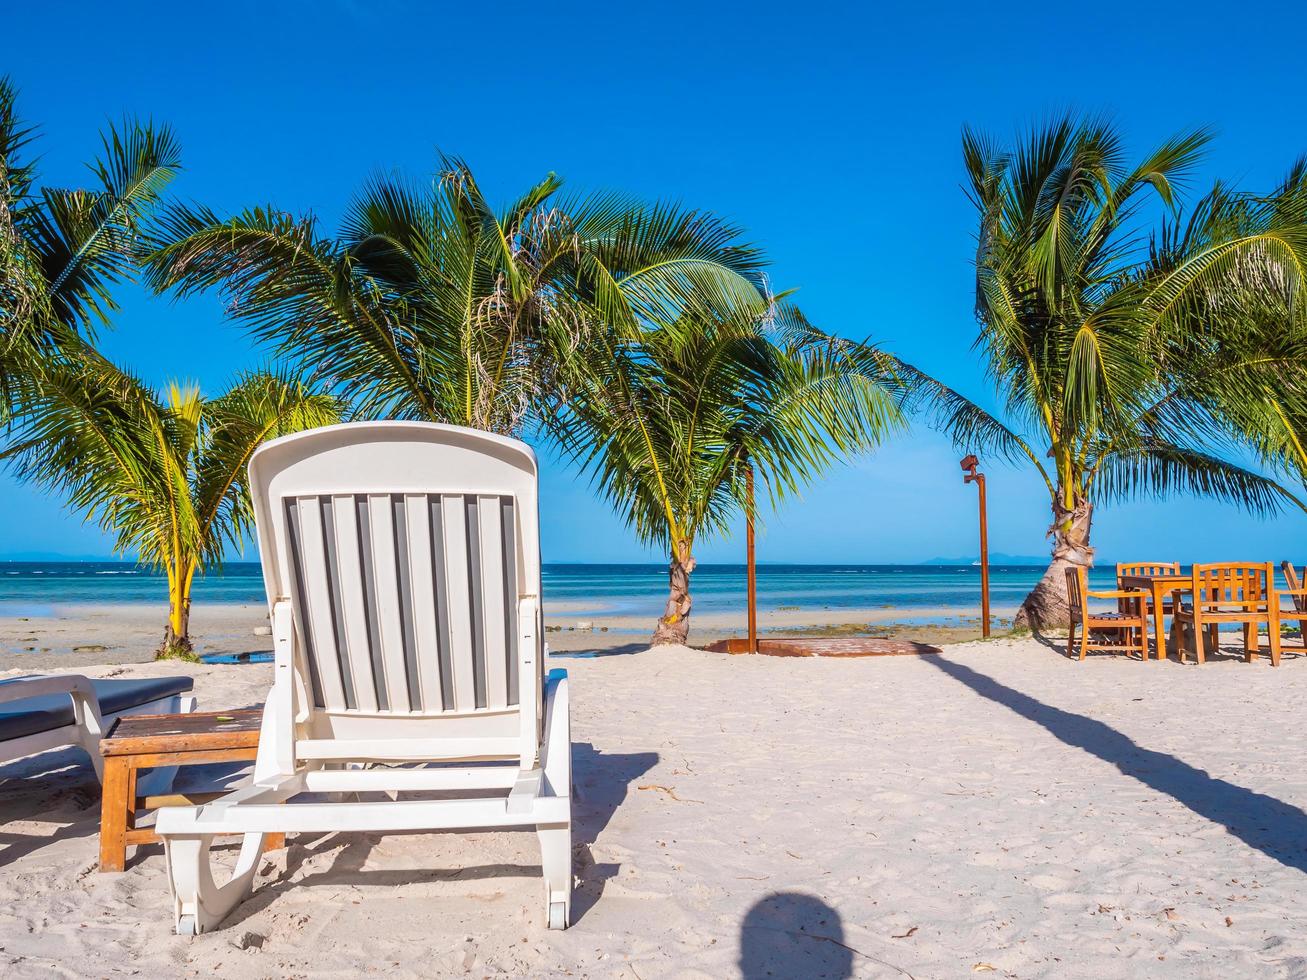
(592, 653)
(789, 934)
(1271, 826)
(599, 785)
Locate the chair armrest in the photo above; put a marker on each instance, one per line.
(1118, 594)
(556, 748)
(19, 688)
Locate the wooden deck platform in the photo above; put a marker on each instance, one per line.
(794, 646)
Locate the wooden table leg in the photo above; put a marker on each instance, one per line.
(1159, 637)
(114, 805)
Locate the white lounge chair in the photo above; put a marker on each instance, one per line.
(50, 711)
(402, 565)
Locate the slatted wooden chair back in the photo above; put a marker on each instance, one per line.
(1150, 568)
(1233, 586)
(410, 555)
(1294, 581)
(1077, 587)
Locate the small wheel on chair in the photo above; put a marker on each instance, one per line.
(557, 915)
(186, 926)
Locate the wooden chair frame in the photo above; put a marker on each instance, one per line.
(1124, 568)
(1297, 593)
(1230, 592)
(1130, 617)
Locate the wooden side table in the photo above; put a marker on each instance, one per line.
(147, 741)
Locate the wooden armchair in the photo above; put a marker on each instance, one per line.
(1130, 618)
(1150, 568)
(1297, 595)
(1232, 592)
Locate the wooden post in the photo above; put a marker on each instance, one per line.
(969, 465)
(751, 571)
(984, 559)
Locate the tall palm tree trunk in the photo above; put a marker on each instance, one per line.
(177, 633)
(1046, 606)
(674, 624)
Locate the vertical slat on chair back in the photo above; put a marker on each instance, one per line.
(1232, 583)
(1075, 591)
(1293, 581)
(409, 601)
(1124, 568)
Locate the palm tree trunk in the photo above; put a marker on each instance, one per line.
(177, 633)
(1046, 607)
(674, 625)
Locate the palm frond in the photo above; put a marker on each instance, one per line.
(1157, 470)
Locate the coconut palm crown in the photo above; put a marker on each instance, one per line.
(164, 473)
(432, 304)
(62, 250)
(671, 420)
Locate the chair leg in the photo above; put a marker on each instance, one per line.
(199, 903)
(1198, 632)
(1084, 640)
(1273, 637)
(556, 864)
(1071, 640)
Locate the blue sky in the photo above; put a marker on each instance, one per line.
(830, 132)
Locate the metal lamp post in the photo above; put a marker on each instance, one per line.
(969, 465)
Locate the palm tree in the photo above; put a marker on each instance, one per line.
(670, 420)
(166, 475)
(1111, 350)
(432, 305)
(61, 251)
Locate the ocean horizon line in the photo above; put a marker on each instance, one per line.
(646, 563)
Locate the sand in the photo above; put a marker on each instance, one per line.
(996, 809)
(77, 635)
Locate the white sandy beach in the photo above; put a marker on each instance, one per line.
(59, 636)
(995, 809)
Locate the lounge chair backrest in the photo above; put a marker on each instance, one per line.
(409, 553)
(1233, 584)
(1146, 568)
(1293, 581)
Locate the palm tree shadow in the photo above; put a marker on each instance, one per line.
(599, 786)
(1054, 643)
(591, 653)
(789, 934)
(1263, 822)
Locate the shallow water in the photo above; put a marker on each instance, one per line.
(27, 588)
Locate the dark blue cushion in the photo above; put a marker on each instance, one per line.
(32, 715)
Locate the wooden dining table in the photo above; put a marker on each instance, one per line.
(1159, 587)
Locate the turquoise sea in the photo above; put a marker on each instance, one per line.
(637, 589)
